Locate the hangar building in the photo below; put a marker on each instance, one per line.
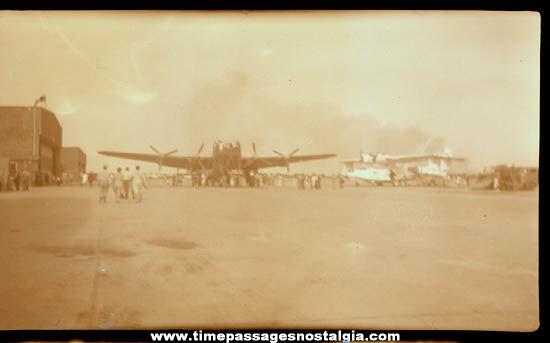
(31, 137)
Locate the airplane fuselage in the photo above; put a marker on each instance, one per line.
(226, 157)
(382, 170)
(367, 172)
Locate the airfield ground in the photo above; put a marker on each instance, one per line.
(367, 257)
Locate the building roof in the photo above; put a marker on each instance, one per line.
(72, 148)
(30, 108)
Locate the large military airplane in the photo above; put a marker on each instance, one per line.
(226, 157)
(380, 168)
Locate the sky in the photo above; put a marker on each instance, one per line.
(392, 82)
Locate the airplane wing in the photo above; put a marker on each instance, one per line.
(269, 162)
(183, 162)
(413, 158)
(192, 162)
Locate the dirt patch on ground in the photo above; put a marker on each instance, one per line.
(81, 250)
(172, 243)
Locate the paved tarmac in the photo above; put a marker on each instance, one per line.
(368, 257)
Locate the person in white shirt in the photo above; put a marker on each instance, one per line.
(104, 179)
(138, 183)
(118, 184)
(126, 181)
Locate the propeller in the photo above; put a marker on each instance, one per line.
(197, 157)
(161, 156)
(286, 158)
(423, 149)
(252, 163)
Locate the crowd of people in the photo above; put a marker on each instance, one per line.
(309, 181)
(122, 182)
(15, 181)
(233, 180)
(126, 184)
(260, 180)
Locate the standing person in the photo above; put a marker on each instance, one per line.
(138, 183)
(11, 183)
(26, 179)
(118, 184)
(103, 178)
(392, 177)
(84, 177)
(203, 180)
(16, 180)
(126, 180)
(341, 181)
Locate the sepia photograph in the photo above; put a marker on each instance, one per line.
(374, 170)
